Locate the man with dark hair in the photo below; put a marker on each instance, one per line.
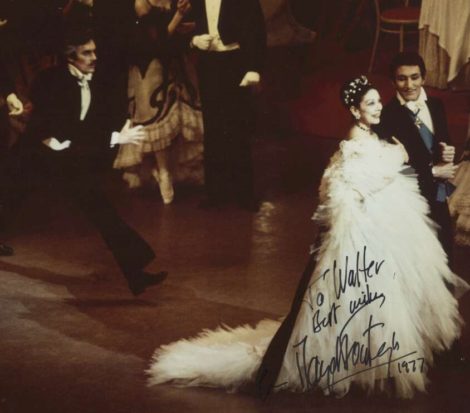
(406, 59)
(231, 38)
(112, 22)
(419, 122)
(67, 139)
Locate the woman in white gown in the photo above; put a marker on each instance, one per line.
(375, 306)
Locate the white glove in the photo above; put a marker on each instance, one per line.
(250, 79)
(128, 134)
(406, 158)
(15, 106)
(444, 170)
(202, 41)
(448, 152)
(55, 145)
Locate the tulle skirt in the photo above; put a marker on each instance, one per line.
(165, 101)
(376, 309)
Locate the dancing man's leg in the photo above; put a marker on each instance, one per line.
(131, 252)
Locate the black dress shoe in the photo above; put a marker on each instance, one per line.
(139, 282)
(6, 250)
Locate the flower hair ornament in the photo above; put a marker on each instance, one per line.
(353, 91)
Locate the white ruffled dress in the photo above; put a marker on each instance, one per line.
(377, 306)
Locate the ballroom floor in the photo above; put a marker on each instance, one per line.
(74, 340)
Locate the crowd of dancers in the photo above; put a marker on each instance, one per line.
(136, 100)
(80, 104)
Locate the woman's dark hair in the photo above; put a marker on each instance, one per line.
(407, 59)
(354, 90)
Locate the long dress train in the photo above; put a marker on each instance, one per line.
(376, 306)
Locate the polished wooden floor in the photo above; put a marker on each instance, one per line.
(74, 340)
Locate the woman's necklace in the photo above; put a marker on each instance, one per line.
(370, 134)
(364, 128)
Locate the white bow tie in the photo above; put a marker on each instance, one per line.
(83, 82)
(82, 78)
(85, 92)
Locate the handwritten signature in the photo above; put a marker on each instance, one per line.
(353, 353)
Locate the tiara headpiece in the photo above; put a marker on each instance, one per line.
(354, 89)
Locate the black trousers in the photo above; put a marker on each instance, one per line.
(76, 180)
(228, 126)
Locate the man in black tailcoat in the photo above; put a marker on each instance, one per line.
(419, 122)
(67, 139)
(230, 36)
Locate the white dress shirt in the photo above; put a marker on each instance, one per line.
(216, 44)
(420, 108)
(212, 13)
(82, 80)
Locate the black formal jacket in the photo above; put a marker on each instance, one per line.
(240, 21)
(56, 99)
(395, 121)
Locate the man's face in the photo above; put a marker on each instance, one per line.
(85, 59)
(408, 82)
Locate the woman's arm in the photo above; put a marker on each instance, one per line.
(182, 8)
